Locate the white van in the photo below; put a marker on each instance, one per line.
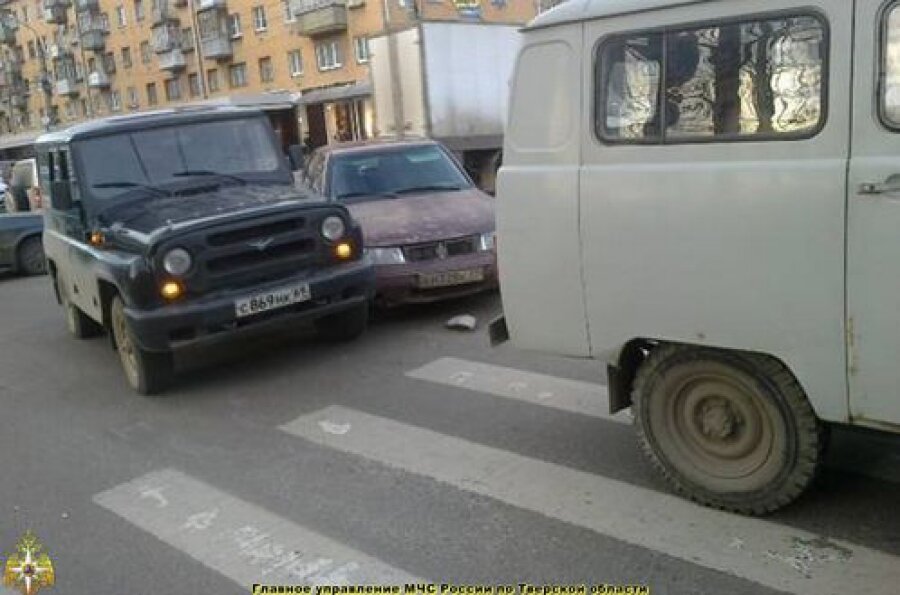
(705, 195)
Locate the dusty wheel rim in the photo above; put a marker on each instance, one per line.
(718, 428)
(125, 346)
(33, 261)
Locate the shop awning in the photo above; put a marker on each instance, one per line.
(263, 101)
(336, 93)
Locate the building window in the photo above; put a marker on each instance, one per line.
(266, 70)
(212, 80)
(32, 53)
(109, 63)
(126, 57)
(139, 10)
(71, 112)
(234, 25)
(295, 62)
(361, 49)
(194, 84)
(121, 17)
(694, 84)
(152, 99)
(115, 101)
(328, 55)
(187, 39)
(237, 75)
(173, 90)
(259, 18)
(288, 13)
(104, 22)
(133, 102)
(24, 14)
(145, 52)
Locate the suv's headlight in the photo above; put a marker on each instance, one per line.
(333, 228)
(177, 261)
(488, 241)
(386, 255)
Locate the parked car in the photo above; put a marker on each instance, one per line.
(184, 226)
(427, 227)
(21, 250)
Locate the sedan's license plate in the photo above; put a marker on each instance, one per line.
(450, 278)
(272, 300)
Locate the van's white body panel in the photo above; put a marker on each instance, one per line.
(740, 245)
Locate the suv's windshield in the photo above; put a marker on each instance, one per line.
(229, 151)
(394, 171)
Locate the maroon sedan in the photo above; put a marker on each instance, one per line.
(428, 229)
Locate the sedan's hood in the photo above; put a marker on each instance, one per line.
(424, 218)
(151, 213)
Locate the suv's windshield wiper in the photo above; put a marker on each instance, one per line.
(126, 184)
(431, 188)
(209, 172)
(367, 195)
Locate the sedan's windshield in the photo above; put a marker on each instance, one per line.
(230, 151)
(393, 172)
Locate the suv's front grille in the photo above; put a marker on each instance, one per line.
(255, 257)
(440, 250)
(255, 232)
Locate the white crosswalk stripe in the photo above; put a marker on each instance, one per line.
(757, 550)
(585, 398)
(237, 539)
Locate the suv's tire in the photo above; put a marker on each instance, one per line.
(31, 257)
(79, 324)
(344, 326)
(147, 372)
(734, 431)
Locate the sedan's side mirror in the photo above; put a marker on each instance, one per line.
(295, 155)
(60, 195)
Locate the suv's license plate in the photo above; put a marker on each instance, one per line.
(450, 278)
(272, 300)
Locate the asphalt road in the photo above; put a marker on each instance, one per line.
(413, 453)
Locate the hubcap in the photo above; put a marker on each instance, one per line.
(125, 346)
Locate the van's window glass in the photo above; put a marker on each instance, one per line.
(157, 156)
(733, 80)
(632, 89)
(890, 99)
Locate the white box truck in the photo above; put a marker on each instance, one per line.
(449, 82)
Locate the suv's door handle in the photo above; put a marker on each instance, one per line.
(891, 186)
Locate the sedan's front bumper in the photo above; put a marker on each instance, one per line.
(333, 290)
(399, 283)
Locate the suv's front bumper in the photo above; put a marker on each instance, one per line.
(213, 317)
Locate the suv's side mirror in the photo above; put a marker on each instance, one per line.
(60, 195)
(295, 155)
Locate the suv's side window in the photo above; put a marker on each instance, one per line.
(890, 75)
(752, 79)
(314, 172)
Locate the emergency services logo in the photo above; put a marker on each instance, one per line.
(29, 568)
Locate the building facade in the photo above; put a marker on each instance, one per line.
(63, 61)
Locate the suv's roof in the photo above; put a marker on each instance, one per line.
(581, 10)
(129, 122)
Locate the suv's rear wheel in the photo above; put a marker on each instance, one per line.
(31, 257)
(344, 326)
(147, 372)
(729, 430)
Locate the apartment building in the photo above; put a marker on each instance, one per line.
(63, 61)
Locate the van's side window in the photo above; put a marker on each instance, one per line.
(890, 92)
(751, 79)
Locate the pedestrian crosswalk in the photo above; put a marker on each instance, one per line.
(247, 544)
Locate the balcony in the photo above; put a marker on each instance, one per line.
(216, 48)
(163, 14)
(210, 4)
(165, 37)
(87, 5)
(98, 80)
(93, 39)
(320, 17)
(56, 15)
(67, 86)
(172, 61)
(18, 101)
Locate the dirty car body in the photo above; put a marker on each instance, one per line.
(427, 227)
(189, 218)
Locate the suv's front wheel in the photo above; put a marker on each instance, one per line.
(148, 372)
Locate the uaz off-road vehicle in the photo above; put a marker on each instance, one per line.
(182, 226)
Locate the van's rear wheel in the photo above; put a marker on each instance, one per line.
(728, 430)
(147, 372)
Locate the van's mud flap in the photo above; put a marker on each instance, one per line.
(498, 331)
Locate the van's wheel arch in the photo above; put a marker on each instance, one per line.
(728, 429)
